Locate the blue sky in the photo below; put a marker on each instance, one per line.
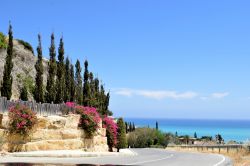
(161, 59)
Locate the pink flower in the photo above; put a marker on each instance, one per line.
(70, 104)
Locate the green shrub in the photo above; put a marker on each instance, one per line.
(26, 45)
(3, 43)
(147, 137)
(27, 81)
(121, 135)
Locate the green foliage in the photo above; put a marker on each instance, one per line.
(67, 81)
(26, 45)
(156, 125)
(78, 80)
(27, 82)
(24, 93)
(6, 89)
(147, 137)
(86, 86)
(121, 134)
(72, 83)
(3, 43)
(60, 81)
(39, 91)
(195, 135)
(50, 88)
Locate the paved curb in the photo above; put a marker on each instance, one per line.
(70, 153)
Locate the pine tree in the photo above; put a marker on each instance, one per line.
(60, 81)
(67, 81)
(121, 135)
(156, 125)
(50, 88)
(24, 93)
(78, 80)
(72, 83)
(6, 89)
(86, 86)
(39, 92)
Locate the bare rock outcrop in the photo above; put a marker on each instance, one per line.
(23, 67)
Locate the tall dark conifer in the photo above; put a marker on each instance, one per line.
(67, 81)
(50, 88)
(24, 93)
(6, 89)
(72, 83)
(86, 86)
(93, 99)
(78, 80)
(39, 91)
(60, 81)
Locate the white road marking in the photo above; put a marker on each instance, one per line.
(222, 161)
(150, 161)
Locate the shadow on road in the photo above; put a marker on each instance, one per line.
(31, 164)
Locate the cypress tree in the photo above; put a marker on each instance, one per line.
(67, 81)
(86, 86)
(121, 135)
(130, 127)
(102, 101)
(106, 108)
(78, 80)
(60, 81)
(72, 83)
(126, 124)
(6, 89)
(195, 135)
(24, 93)
(92, 101)
(156, 125)
(50, 88)
(39, 92)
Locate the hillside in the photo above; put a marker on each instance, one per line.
(24, 68)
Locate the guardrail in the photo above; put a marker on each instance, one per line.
(218, 148)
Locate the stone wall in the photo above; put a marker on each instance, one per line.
(53, 133)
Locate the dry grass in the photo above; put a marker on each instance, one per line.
(239, 158)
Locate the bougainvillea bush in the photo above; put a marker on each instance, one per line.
(111, 131)
(21, 119)
(89, 120)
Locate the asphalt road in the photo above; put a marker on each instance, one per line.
(153, 157)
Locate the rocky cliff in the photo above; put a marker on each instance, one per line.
(24, 68)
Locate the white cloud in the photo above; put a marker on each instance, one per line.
(124, 92)
(218, 95)
(160, 94)
(204, 98)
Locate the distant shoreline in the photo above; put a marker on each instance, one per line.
(236, 130)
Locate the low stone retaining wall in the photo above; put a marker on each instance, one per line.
(53, 133)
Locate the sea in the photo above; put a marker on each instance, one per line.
(236, 130)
